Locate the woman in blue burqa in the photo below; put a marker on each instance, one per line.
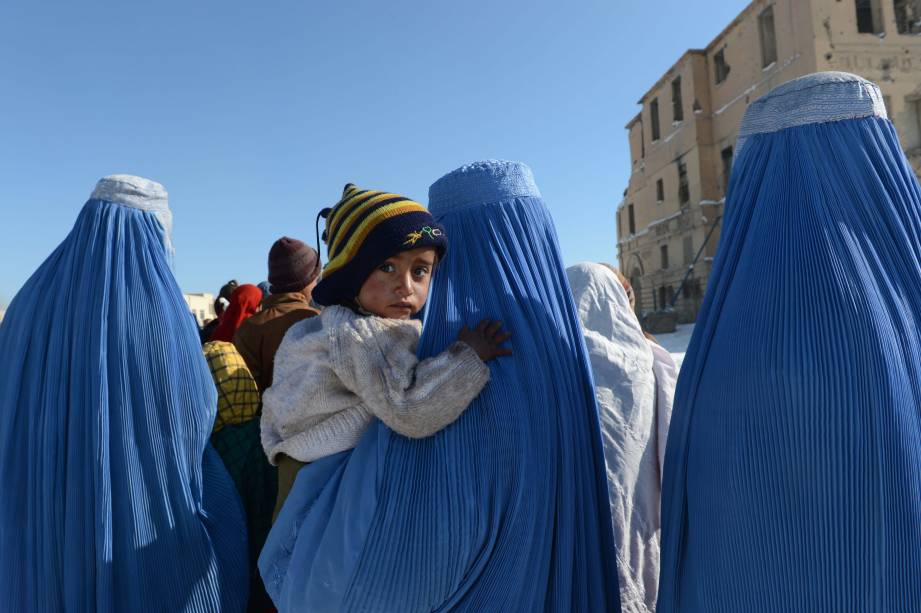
(507, 508)
(112, 499)
(793, 468)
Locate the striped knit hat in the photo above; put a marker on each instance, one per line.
(365, 228)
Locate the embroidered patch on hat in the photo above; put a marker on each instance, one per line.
(413, 237)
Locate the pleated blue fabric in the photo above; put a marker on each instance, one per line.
(793, 470)
(112, 500)
(506, 509)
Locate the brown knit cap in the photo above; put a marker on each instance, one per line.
(292, 265)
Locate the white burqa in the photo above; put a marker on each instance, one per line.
(635, 386)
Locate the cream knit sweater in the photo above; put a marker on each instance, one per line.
(333, 373)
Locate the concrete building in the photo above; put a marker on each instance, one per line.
(201, 305)
(681, 142)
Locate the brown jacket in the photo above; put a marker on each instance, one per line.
(258, 337)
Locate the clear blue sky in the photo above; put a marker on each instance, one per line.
(255, 114)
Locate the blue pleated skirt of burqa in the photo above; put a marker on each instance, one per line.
(793, 470)
(507, 508)
(112, 501)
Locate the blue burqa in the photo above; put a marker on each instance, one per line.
(112, 501)
(506, 509)
(793, 471)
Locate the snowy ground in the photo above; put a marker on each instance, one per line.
(676, 343)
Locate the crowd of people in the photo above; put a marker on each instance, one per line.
(443, 417)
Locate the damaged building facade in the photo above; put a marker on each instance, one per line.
(681, 142)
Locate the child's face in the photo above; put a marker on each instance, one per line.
(399, 287)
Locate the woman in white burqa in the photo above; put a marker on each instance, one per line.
(634, 386)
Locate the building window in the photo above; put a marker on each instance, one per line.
(768, 39)
(654, 118)
(637, 284)
(688, 250)
(666, 295)
(642, 141)
(660, 191)
(726, 155)
(631, 223)
(684, 193)
(908, 16)
(663, 253)
(620, 227)
(677, 105)
(869, 17)
(691, 288)
(887, 102)
(910, 131)
(720, 66)
(915, 104)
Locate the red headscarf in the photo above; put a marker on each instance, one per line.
(244, 302)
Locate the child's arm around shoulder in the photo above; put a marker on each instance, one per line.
(376, 359)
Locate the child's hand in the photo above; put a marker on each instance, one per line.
(485, 339)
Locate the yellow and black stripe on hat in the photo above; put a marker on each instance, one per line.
(365, 228)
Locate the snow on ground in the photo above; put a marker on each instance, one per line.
(676, 343)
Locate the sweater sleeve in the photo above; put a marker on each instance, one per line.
(284, 401)
(376, 360)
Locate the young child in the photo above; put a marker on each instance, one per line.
(357, 360)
